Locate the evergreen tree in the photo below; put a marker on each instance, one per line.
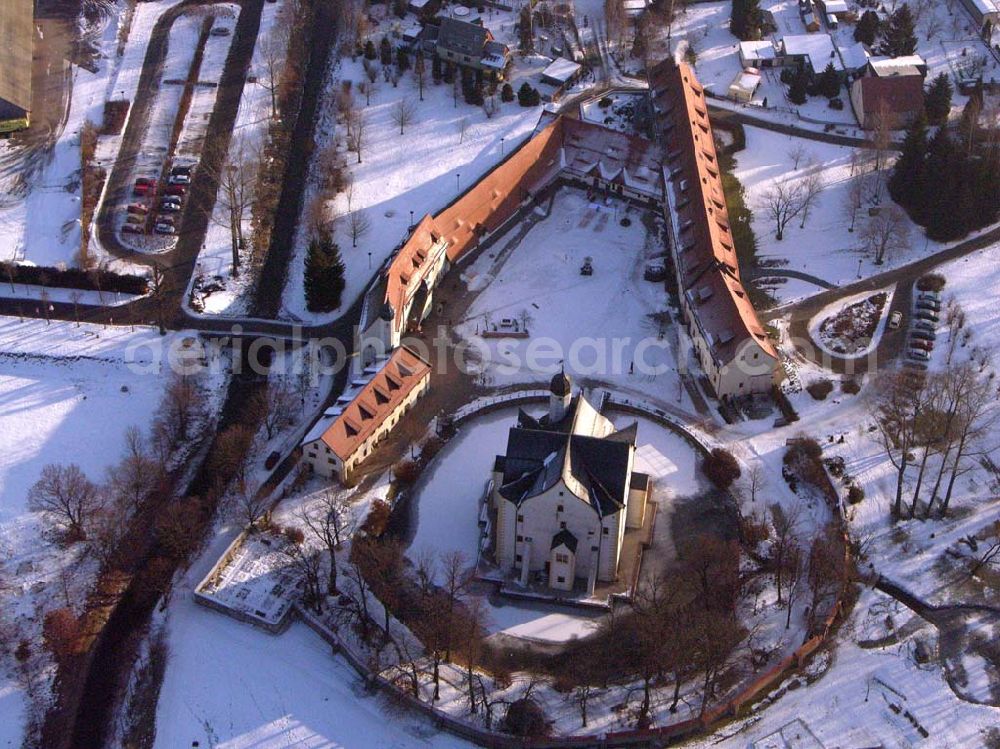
(370, 53)
(507, 93)
(746, 19)
(937, 100)
(402, 60)
(436, 68)
(525, 37)
(828, 83)
(898, 37)
(799, 87)
(324, 275)
(399, 8)
(867, 28)
(940, 212)
(385, 51)
(906, 185)
(527, 96)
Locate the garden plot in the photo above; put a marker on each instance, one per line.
(852, 327)
(67, 395)
(616, 110)
(597, 326)
(446, 149)
(214, 289)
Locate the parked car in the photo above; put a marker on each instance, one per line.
(918, 354)
(930, 295)
(926, 314)
(167, 207)
(141, 191)
(272, 460)
(928, 304)
(895, 319)
(924, 335)
(138, 208)
(135, 218)
(925, 325)
(922, 344)
(165, 220)
(165, 229)
(175, 199)
(181, 169)
(132, 229)
(175, 190)
(179, 179)
(148, 181)
(219, 31)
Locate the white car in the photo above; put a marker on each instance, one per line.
(164, 229)
(179, 179)
(918, 354)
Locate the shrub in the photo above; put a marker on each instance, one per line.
(605, 102)
(855, 494)
(851, 387)
(931, 282)
(803, 448)
(820, 389)
(507, 93)
(528, 96)
(294, 535)
(525, 717)
(406, 471)
(377, 520)
(74, 278)
(721, 468)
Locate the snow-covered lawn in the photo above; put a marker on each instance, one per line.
(446, 149)
(824, 247)
(599, 325)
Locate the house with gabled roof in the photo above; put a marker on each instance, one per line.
(365, 414)
(471, 45)
(563, 494)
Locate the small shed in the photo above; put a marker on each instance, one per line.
(744, 85)
(758, 54)
(561, 72)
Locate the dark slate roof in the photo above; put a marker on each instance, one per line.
(564, 538)
(462, 37)
(536, 458)
(560, 384)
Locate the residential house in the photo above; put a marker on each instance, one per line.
(812, 52)
(563, 494)
(365, 414)
(732, 346)
(17, 32)
(985, 14)
(759, 54)
(896, 100)
(471, 45)
(744, 85)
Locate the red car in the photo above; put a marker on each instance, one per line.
(133, 229)
(920, 344)
(176, 190)
(138, 208)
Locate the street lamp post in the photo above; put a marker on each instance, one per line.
(859, 266)
(411, 219)
(369, 259)
(501, 148)
(458, 182)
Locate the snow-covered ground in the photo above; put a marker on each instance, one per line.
(824, 247)
(67, 395)
(446, 149)
(598, 325)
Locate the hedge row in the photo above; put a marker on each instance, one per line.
(74, 278)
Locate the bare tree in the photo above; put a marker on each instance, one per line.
(357, 131)
(358, 224)
(812, 186)
(404, 111)
(249, 505)
(306, 560)
(237, 178)
(853, 198)
(782, 201)
(463, 128)
(796, 153)
(274, 407)
(67, 498)
(273, 51)
(330, 521)
(897, 409)
(131, 480)
(786, 522)
(755, 477)
(886, 234)
(991, 551)
(75, 296)
(182, 402)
